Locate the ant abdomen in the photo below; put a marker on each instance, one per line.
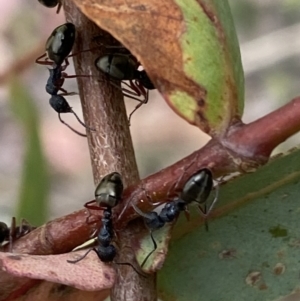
(106, 253)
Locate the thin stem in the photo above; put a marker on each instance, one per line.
(110, 145)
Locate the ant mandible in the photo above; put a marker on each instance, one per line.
(197, 189)
(124, 66)
(58, 48)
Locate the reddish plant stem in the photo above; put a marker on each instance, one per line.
(252, 145)
(161, 184)
(48, 239)
(51, 237)
(259, 138)
(245, 147)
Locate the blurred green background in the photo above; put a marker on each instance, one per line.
(45, 163)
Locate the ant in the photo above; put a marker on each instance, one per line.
(124, 66)
(196, 189)
(14, 232)
(58, 45)
(58, 48)
(52, 3)
(107, 195)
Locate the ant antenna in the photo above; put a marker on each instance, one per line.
(154, 248)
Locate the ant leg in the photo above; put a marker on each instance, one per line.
(65, 92)
(65, 75)
(59, 7)
(21, 229)
(187, 214)
(139, 90)
(205, 215)
(130, 115)
(126, 92)
(175, 187)
(206, 212)
(12, 233)
(132, 95)
(155, 247)
(149, 198)
(141, 213)
(152, 222)
(129, 264)
(25, 227)
(213, 203)
(64, 67)
(43, 62)
(115, 47)
(81, 51)
(63, 122)
(82, 257)
(91, 207)
(81, 122)
(143, 92)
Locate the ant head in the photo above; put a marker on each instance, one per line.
(60, 42)
(4, 232)
(198, 187)
(109, 190)
(59, 104)
(117, 66)
(145, 80)
(49, 3)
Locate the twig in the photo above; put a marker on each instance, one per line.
(110, 146)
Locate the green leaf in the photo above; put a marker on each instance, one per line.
(211, 58)
(148, 257)
(191, 54)
(34, 187)
(252, 253)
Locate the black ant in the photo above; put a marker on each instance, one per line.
(52, 3)
(197, 189)
(14, 232)
(58, 48)
(58, 45)
(107, 195)
(124, 66)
